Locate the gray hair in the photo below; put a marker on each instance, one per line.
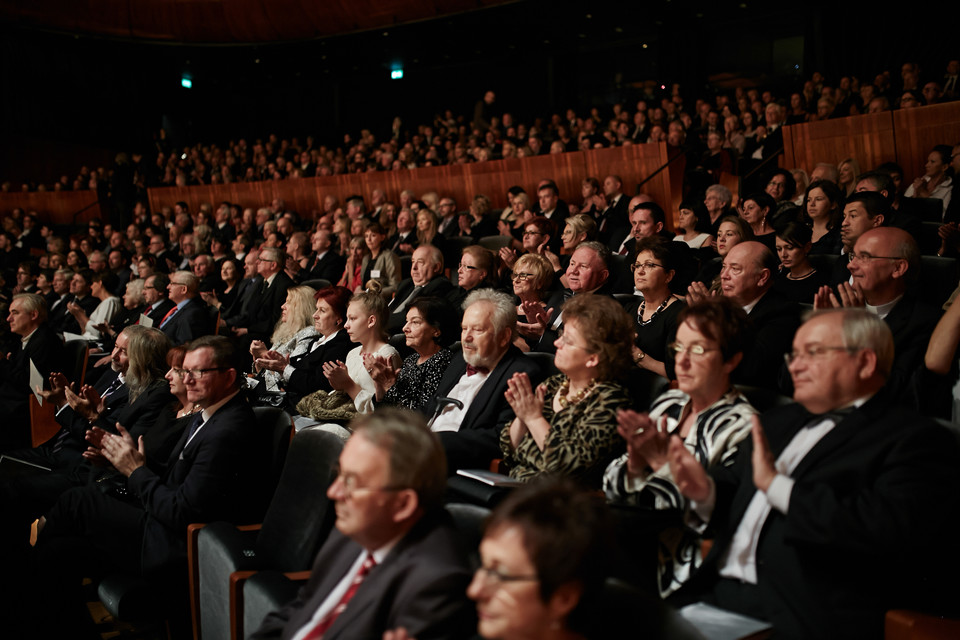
(504, 314)
(721, 192)
(863, 329)
(32, 302)
(417, 459)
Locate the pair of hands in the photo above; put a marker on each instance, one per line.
(691, 478)
(119, 450)
(850, 296)
(526, 402)
(382, 371)
(538, 318)
(86, 402)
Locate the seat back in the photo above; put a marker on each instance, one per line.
(300, 515)
(544, 361)
(469, 520)
(762, 398)
(274, 426)
(316, 283)
(938, 279)
(619, 606)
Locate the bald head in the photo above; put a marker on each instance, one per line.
(884, 262)
(747, 272)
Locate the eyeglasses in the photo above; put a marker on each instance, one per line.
(815, 353)
(646, 266)
(349, 482)
(866, 257)
(182, 284)
(532, 233)
(468, 267)
(566, 342)
(521, 276)
(693, 350)
(265, 260)
(197, 373)
(495, 577)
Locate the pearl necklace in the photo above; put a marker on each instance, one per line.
(564, 390)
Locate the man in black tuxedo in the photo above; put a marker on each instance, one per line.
(885, 268)
(189, 319)
(38, 343)
(273, 293)
(326, 264)
(398, 544)
(476, 380)
(80, 290)
(211, 474)
(747, 279)
(426, 279)
(57, 311)
(614, 219)
(829, 488)
(404, 241)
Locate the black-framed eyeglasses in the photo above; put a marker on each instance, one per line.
(521, 276)
(646, 266)
(198, 373)
(495, 577)
(866, 257)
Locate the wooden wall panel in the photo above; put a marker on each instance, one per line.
(919, 130)
(869, 138)
(56, 207)
(461, 182)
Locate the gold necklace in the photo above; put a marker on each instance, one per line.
(564, 390)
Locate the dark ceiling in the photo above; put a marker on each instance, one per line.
(226, 21)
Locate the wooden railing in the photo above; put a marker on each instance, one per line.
(904, 136)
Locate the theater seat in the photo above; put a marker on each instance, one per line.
(297, 522)
(902, 624)
(624, 611)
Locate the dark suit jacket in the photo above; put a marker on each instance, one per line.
(420, 585)
(205, 480)
(330, 268)
(912, 322)
(774, 320)
(397, 239)
(439, 287)
(614, 221)
(66, 320)
(239, 312)
(266, 312)
(47, 352)
(308, 368)
(874, 493)
(189, 323)
(157, 313)
(477, 441)
(76, 425)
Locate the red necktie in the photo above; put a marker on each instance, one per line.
(327, 621)
(169, 313)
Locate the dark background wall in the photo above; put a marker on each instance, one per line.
(77, 98)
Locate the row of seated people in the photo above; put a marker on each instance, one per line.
(744, 123)
(819, 478)
(587, 272)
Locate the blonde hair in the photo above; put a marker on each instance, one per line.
(300, 307)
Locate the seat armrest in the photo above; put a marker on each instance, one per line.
(903, 624)
(193, 568)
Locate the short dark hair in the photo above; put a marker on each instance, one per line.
(567, 534)
(440, 315)
(656, 211)
(796, 234)
(662, 250)
(721, 320)
(606, 328)
(225, 353)
(881, 181)
(873, 201)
